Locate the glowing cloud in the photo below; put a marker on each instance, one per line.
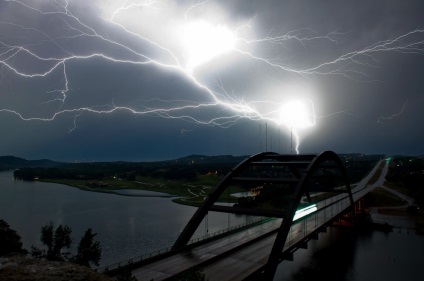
(179, 40)
(297, 114)
(204, 41)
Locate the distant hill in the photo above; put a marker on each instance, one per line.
(12, 162)
(203, 159)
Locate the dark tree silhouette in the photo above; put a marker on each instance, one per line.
(56, 241)
(10, 241)
(89, 251)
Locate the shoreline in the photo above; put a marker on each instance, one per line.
(176, 198)
(395, 216)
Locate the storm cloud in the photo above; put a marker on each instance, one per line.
(116, 80)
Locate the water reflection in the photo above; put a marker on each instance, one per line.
(126, 226)
(347, 254)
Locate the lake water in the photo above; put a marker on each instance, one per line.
(131, 226)
(127, 226)
(346, 254)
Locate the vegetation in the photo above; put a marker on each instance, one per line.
(57, 240)
(382, 198)
(89, 251)
(10, 241)
(187, 168)
(11, 163)
(190, 178)
(194, 182)
(359, 165)
(406, 174)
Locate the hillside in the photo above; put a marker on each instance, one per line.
(12, 162)
(18, 268)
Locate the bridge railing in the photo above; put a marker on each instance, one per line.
(331, 207)
(155, 253)
(328, 209)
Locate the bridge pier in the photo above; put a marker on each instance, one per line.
(360, 206)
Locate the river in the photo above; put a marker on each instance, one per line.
(131, 226)
(358, 255)
(127, 226)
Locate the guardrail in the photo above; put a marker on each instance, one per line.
(156, 253)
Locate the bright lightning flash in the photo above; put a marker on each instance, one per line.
(297, 115)
(204, 42)
(177, 38)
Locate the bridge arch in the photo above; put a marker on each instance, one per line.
(303, 187)
(300, 175)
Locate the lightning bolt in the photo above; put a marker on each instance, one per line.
(381, 119)
(150, 50)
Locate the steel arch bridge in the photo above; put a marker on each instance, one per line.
(294, 180)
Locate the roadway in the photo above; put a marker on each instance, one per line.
(238, 255)
(246, 261)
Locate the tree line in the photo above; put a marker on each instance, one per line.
(122, 170)
(56, 244)
(357, 166)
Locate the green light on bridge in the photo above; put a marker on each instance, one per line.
(305, 211)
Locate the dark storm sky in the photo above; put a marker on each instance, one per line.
(106, 81)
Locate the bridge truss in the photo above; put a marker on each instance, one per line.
(279, 185)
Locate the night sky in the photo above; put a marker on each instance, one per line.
(154, 80)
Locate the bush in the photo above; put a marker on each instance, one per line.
(10, 241)
(57, 239)
(88, 250)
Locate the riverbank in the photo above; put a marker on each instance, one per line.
(390, 207)
(190, 193)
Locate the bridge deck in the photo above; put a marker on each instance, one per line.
(242, 263)
(167, 267)
(238, 255)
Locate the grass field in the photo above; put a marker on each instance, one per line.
(193, 192)
(385, 200)
(190, 192)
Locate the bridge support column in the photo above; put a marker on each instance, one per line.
(359, 206)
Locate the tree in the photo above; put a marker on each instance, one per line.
(10, 241)
(88, 250)
(56, 241)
